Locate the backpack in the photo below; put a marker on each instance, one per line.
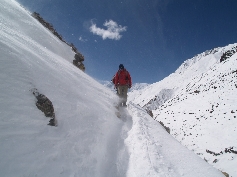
(126, 78)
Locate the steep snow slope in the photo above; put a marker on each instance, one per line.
(89, 139)
(31, 57)
(199, 105)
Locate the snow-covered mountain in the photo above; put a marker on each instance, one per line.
(88, 139)
(199, 105)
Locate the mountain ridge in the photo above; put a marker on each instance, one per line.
(197, 102)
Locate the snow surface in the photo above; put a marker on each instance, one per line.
(90, 140)
(198, 103)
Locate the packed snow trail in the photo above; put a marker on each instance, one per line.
(154, 152)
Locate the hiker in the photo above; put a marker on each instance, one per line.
(122, 82)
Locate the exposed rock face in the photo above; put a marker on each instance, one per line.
(47, 25)
(149, 112)
(166, 128)
(227, 150)
(228, 54)
(226, 174)
(78, 59)
(46, 106)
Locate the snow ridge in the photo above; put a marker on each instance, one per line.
(201, 109)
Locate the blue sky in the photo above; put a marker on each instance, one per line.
(151, 38)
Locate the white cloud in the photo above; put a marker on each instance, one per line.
(112, 32)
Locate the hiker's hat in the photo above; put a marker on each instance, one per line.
(121, 66)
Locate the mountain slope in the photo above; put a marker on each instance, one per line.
(31, 57)
(198, 104)
(89, 140)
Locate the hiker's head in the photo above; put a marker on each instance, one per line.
(121, 67)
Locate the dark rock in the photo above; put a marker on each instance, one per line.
(166, 128)
(149, 112)
(79, 58)
(52, 122)
(45, 105)
(230, 150)
(47, 25)
(214, 153)
(226, 174)
(228, 54)
(79, 65)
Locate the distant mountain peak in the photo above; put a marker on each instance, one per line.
(219, 51)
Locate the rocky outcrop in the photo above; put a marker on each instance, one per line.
(46, 106)
(227, 150)
(149, 112)
(47, 25)
(228, 54)
(226, 174)
(166, 128)
(79, 58)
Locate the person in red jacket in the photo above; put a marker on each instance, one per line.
(122, 82)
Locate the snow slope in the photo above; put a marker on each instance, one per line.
(89, 140)
(198, 103)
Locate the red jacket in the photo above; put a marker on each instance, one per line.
(123, 77)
